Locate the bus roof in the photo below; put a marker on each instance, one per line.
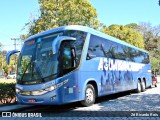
(85, 29)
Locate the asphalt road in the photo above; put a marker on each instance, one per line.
(128, 105)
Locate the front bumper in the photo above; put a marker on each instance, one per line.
(45, 99)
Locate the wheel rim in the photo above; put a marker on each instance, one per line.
(89, 95)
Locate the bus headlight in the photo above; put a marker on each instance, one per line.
(50, 88)
(36, 92)
(17, 90)
(39, 92)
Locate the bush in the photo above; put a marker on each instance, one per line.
(7, 93)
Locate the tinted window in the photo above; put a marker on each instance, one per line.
(141, 57)
(95, 46)
(67, 58)
(101, 47)
(129, 53)
(78, 44)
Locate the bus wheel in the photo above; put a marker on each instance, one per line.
(155, 85)
(89, 96)
(143, 85)
(138, 90)
(150, 86)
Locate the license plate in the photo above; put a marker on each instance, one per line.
(31, 100)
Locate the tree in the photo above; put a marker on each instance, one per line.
(55, 13)
(151, 36)
(23, 37)
(3, 65)
(0, 46)
(132, 25)
(155, 63)
(126, 34)
(1, 57)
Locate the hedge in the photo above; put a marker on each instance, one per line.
(7, 93)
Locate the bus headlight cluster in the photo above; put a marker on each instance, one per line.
(41, 92)
(37, 92)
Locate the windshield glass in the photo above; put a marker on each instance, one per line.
(37, 63)
(46, 62)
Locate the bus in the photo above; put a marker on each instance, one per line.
(77, 63)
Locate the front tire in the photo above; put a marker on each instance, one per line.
(89, 96)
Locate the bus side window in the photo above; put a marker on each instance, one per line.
(67, 58)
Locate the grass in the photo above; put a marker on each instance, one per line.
(2, 80)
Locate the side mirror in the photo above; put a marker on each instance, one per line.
(9, 54)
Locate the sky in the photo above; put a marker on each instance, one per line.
(14, 14)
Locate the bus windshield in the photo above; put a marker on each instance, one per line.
(37, 63)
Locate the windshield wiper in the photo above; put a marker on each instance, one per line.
(41, 78)
(25, 71)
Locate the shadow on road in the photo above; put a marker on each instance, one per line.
(125, 101)
(73, 106)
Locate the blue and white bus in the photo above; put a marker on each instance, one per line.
(77, 63)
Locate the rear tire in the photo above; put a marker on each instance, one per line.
(143, 85)
(89, 96)
(150, 86)
(138, 90)
(155, 85)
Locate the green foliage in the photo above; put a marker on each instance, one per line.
(3, 65)
(23, 37)
(7, 93)
(155, 63)
(151, 36)
(55, 13)
(126, 34)
(155, 60)
(132, 25)
(0, 46)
